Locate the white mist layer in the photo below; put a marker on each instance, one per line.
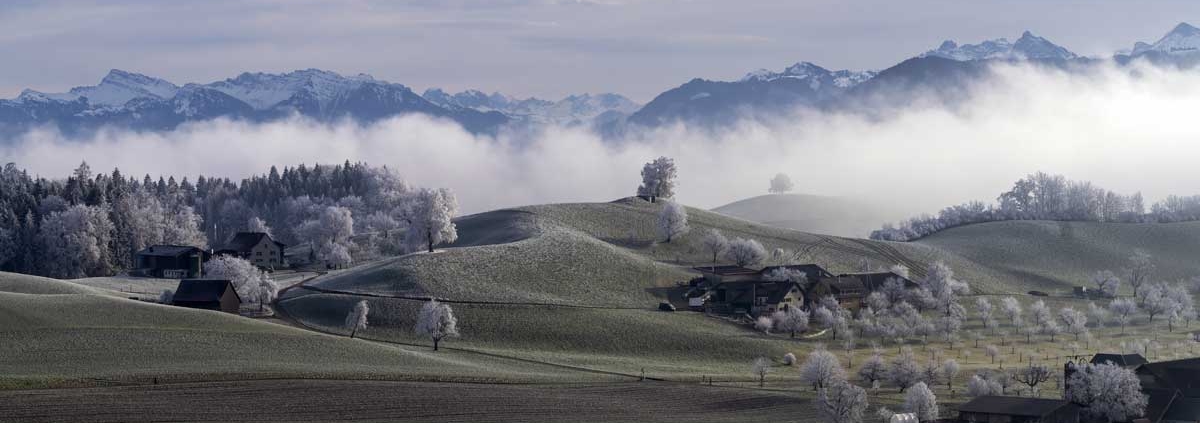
(1124, 132)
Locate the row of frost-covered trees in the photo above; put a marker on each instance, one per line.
(90, 224)
(1042, 196)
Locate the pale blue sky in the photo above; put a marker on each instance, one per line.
(545, 48)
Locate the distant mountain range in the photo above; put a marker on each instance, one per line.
(134, 101)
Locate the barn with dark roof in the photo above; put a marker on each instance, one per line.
(169, 261)
(1018, 410)
(207, 294)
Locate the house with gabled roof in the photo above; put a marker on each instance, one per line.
(169, 261)
(256, 247)
(1172, 387)
(754, 298)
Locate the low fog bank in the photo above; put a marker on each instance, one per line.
(1127, 129)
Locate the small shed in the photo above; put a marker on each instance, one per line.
(1018, 410)
(207, 294)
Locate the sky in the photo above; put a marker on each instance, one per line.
(542, 48)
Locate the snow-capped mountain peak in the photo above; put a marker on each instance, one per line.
(816, 75)
(115, 89)
(1183, 39)
(265, 90)
(1029, 46)
(572, 109)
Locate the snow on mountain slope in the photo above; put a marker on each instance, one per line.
(116, 89)
(263, 90)
(1028, 47)
(1184, 39)
(815, 75)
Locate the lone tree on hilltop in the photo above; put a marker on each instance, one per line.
(436, 320)
(658, 179)
(431, 221)
(780, 184)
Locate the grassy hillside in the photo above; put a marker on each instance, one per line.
(1022, 255)
(27, 284)
(814, 213)
(72, 339)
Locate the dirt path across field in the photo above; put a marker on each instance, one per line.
(369, 401)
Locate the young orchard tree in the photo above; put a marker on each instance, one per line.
(761, 367)
(1106, 282)
(1180, 305)
(992, 352)
(436, 320)
(978, 386)
(1040, 313)
(431, 220)
(658, 179)
(672, 221)
(791, 320)
(1154, 300)
(1107, 392)
(247, 279)
(841, 402)
(904, 371)
(1140, 268)
(356, 320)
(780, 184)
(1073, 321)
(763, 324)
(873, 371)
(1012, 309)
(950, 369)
(984, 307)
(821, 368)
(746, 252)
(1123, 310)
(715, 243)
(1097, 315)
(921, 401)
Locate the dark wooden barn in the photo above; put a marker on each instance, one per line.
(207, 294)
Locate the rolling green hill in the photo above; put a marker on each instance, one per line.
(815, 213)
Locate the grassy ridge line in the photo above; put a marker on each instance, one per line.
(451, 301)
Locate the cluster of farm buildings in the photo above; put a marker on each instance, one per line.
(741, 291)
(186, 263)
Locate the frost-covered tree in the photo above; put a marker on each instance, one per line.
(334, 254)
(437, 321)
(1012, 309)
(780, 184)
(74, 242)
(791, 320)
(821, 368)
(430, 221)
(166, 297)
(672, 221)
(992, 352)
(1141, 266)
(715, 243)
(1154, 300)
(255, 224)
(746, 252)
(658, 179)
(945, 289)
(950, 369)
(763, 324)
(789, 359)
(246, 278)
(1107, 392)
(1181, 306)
(356, 320)
(920, 400)
(984, 308)
(1073, 321)
(978, 386)
(1106, 282)
(329, 234)
(904, 371)
(1123, 310)
(1040, 313)
(873, 370)
(761, 367)
(1097, 315)
(841, 402)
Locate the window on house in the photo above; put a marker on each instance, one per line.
(258, 253)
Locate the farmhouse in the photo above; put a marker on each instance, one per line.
(1173, 387)
(999, 409)
(754, 297)
(849, 291)
(170, 261)
(716, 274)
(207, 294)
(811, 272)
(256, 247)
